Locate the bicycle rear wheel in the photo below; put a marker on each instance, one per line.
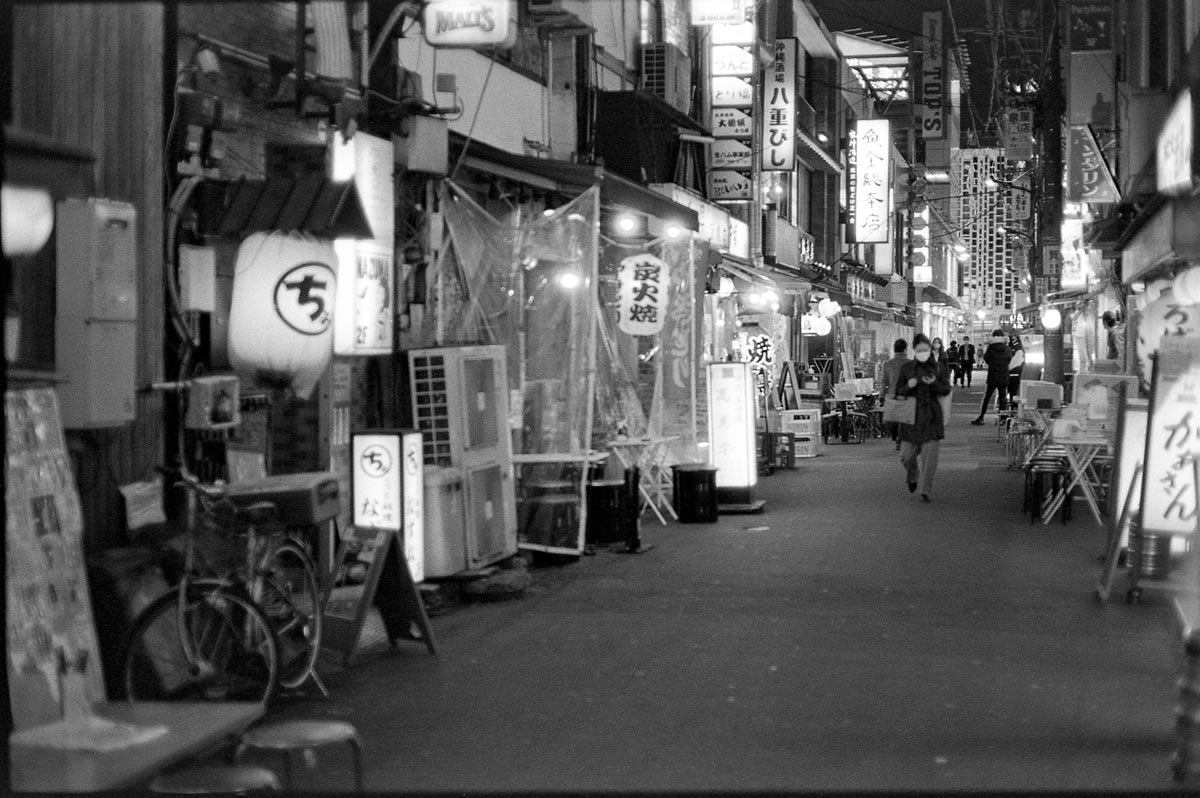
(216, 646)
(290, 597)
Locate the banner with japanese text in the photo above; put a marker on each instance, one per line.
(779, 110)
(1173, 439)
(869, 181)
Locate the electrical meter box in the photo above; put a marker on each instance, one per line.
(95, 324)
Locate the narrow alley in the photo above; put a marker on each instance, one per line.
(848, 638)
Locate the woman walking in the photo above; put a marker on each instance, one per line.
(920, 442)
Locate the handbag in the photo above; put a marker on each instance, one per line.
(900, 410)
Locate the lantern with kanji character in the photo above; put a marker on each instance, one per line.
(280, 320)
(643, 295)
(1165, 316)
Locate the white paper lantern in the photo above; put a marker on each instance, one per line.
(1187, 286)
(1154, 290)
(280, 321)
(1164, 316)
(26, 219)
(827, 307)
(821, 326)
(1051, 318)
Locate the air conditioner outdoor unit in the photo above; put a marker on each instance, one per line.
(536, 7)
(667, 72)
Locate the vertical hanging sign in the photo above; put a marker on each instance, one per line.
(933, 124)
(869, 181)
(779, 105)
(732, 84)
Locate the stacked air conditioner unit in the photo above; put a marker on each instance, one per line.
(667, 72)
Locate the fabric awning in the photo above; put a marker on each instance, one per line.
(813, 154)
(936, 296)
(571, 178)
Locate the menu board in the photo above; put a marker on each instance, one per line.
(49, 608)
(1173, 438)
(1131, 448)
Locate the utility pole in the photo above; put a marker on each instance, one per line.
(1050, 216)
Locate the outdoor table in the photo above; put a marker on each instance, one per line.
(192, 728)
(647, 454)
(1081, 453)
(841, 407)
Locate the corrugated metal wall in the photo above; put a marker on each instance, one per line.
(90, 75)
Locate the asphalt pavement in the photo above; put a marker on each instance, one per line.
(848, 638)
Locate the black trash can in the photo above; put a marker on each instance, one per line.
(694, 493)
(605, 511)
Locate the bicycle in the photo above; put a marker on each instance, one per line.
(231, 631)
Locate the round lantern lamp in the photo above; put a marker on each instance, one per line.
(1051, 318)
(821, 326)
(1187, 286)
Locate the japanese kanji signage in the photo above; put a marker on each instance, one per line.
(387, 489)
(933, 124)
(726, 185)
(730, 154)
(1174, 162)
(1018, 133)
(779, 108)
(1088, 177)
(718, 12)
(1018, 200)
(1173, 441)
(732, 92)
(760, 350)
(643, 293)
(869, 180)
(732, 59)
(730, 123)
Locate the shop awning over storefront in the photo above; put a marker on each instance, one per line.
(813, 154)
(572, 179)
(1167, 230)
(754, 274)
(936, 296)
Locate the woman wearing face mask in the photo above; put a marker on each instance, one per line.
(920, 442)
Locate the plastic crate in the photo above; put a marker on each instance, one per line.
(801, 423)
(807, 447)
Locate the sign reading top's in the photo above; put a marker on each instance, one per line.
(469, 23)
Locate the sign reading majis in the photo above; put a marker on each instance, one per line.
(469, 23)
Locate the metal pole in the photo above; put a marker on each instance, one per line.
(1050, 229)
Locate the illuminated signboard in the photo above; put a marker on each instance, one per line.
(933, 125)
(718, 12)
(1018, 133)
(732, 59)
(730, 123)
(732, 92)
(1088, 175)
(387, 489)
(869, 179)
(730, 154)
(1173, 439)
(1174, 149)
(469, 23)
(363, 317)
(731, 414)
(727, 185)
(778, 146)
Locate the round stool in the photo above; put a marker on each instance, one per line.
(288, 736)
(216, 780)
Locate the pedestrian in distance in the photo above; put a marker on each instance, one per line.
(966, 357)
(938, 352)
(952, 361)
(997, 357)
(1015, 367)
(891, 378)
(920, 442)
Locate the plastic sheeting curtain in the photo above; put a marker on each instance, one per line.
(531, 287)
(658, 371)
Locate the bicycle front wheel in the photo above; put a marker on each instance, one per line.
(290, 597)
(214, 646)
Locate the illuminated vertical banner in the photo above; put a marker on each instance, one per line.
(933, 79)
(779, 109)
(868, 181)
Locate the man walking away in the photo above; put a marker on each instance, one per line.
(891, 378)
(966, 357)
(997, 358)
(954, 364)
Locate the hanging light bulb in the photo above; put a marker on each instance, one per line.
(1051, 318)
(822, 326)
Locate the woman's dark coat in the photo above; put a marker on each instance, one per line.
(929, 426)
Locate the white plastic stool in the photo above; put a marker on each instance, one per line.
(216, 780)
(289, 736)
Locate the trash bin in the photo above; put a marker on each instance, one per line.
(605, 511)
(694, 493)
